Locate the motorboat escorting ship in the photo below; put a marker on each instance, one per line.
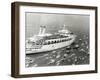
(47, 42)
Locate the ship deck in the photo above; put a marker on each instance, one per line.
(55, 36)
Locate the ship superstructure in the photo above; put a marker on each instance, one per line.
(47, 42)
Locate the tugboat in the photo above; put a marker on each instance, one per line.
(47, 42)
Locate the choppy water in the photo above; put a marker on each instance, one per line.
(75, 54)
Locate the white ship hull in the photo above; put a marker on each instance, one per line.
(51, 47)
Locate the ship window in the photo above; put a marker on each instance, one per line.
(66, 36)
(58, 41)
(69, 39)
(52, 42)
(65, 39)
(37, 43)
(45, 43)
(71, 33)
(62, 40)
(48, 42)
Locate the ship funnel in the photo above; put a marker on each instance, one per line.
(42, 29)
(64, 30)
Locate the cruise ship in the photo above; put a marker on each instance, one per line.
(47, 42)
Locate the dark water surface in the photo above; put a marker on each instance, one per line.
(75, 54)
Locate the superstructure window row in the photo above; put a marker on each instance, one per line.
(56, 41)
